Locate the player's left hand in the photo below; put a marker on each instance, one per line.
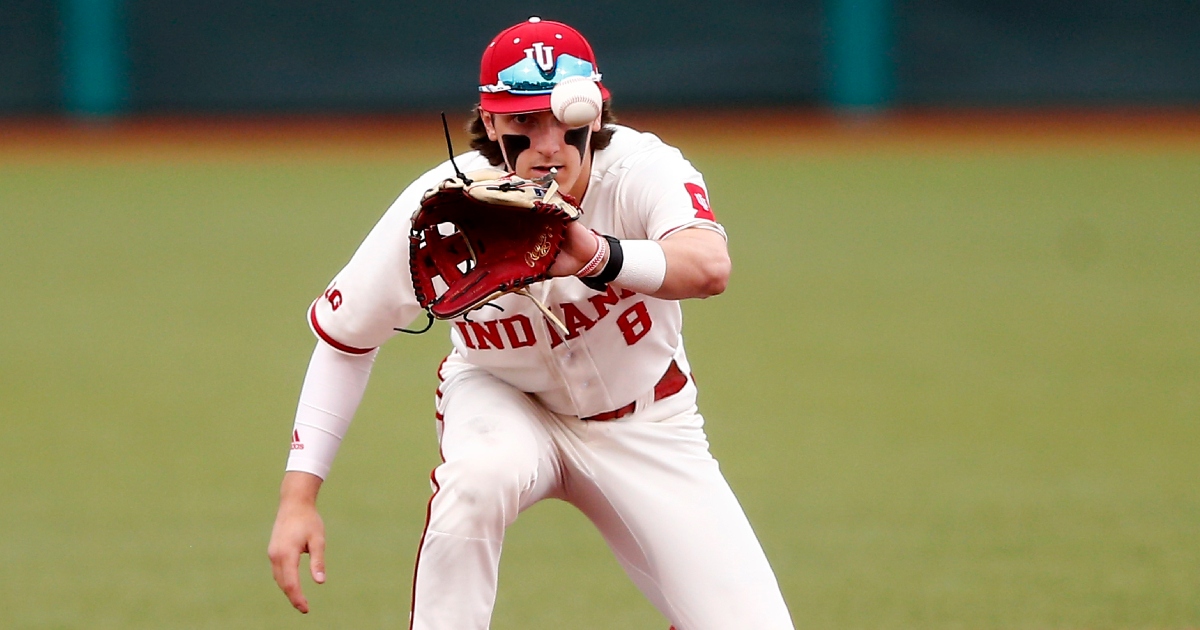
(577, 249)
(298, 530)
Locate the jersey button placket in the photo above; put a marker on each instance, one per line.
(582, 374)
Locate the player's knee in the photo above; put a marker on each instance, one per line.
(480, 490)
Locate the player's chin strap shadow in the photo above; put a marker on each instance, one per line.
(429, 320)
(428, 325)
(550, 316)
(467, 315)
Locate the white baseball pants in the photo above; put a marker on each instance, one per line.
(649, 484)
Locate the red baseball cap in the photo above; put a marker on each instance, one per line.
(523, 63)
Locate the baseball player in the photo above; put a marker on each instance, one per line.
(600, 412)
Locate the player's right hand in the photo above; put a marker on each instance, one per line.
(298, 529)
(577, 249)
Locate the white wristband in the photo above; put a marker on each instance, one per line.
(333, 389)
(644, 267)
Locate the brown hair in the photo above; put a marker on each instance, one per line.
(490, 149)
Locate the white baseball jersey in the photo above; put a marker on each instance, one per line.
(526, 412)
(617, 344)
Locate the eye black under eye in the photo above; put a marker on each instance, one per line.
(578, 138)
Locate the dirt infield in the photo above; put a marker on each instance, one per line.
(803, 130)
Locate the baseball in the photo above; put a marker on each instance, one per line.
(575, 101)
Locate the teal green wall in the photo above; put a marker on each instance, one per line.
(99, 57)
(93, 43)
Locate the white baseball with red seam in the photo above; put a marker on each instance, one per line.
(576, 101)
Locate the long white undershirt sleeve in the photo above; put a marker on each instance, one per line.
(332, 391)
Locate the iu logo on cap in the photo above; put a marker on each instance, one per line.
(543, 55)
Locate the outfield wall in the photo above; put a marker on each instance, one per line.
(384, 55)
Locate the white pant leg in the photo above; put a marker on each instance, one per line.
(498, 460)
(659, 499)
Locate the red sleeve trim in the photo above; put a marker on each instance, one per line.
(672, 231)
(312, 319)
(703, 226)
(439, 371)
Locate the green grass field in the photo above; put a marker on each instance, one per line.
(954, 387)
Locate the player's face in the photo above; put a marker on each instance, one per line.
(534, 143)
